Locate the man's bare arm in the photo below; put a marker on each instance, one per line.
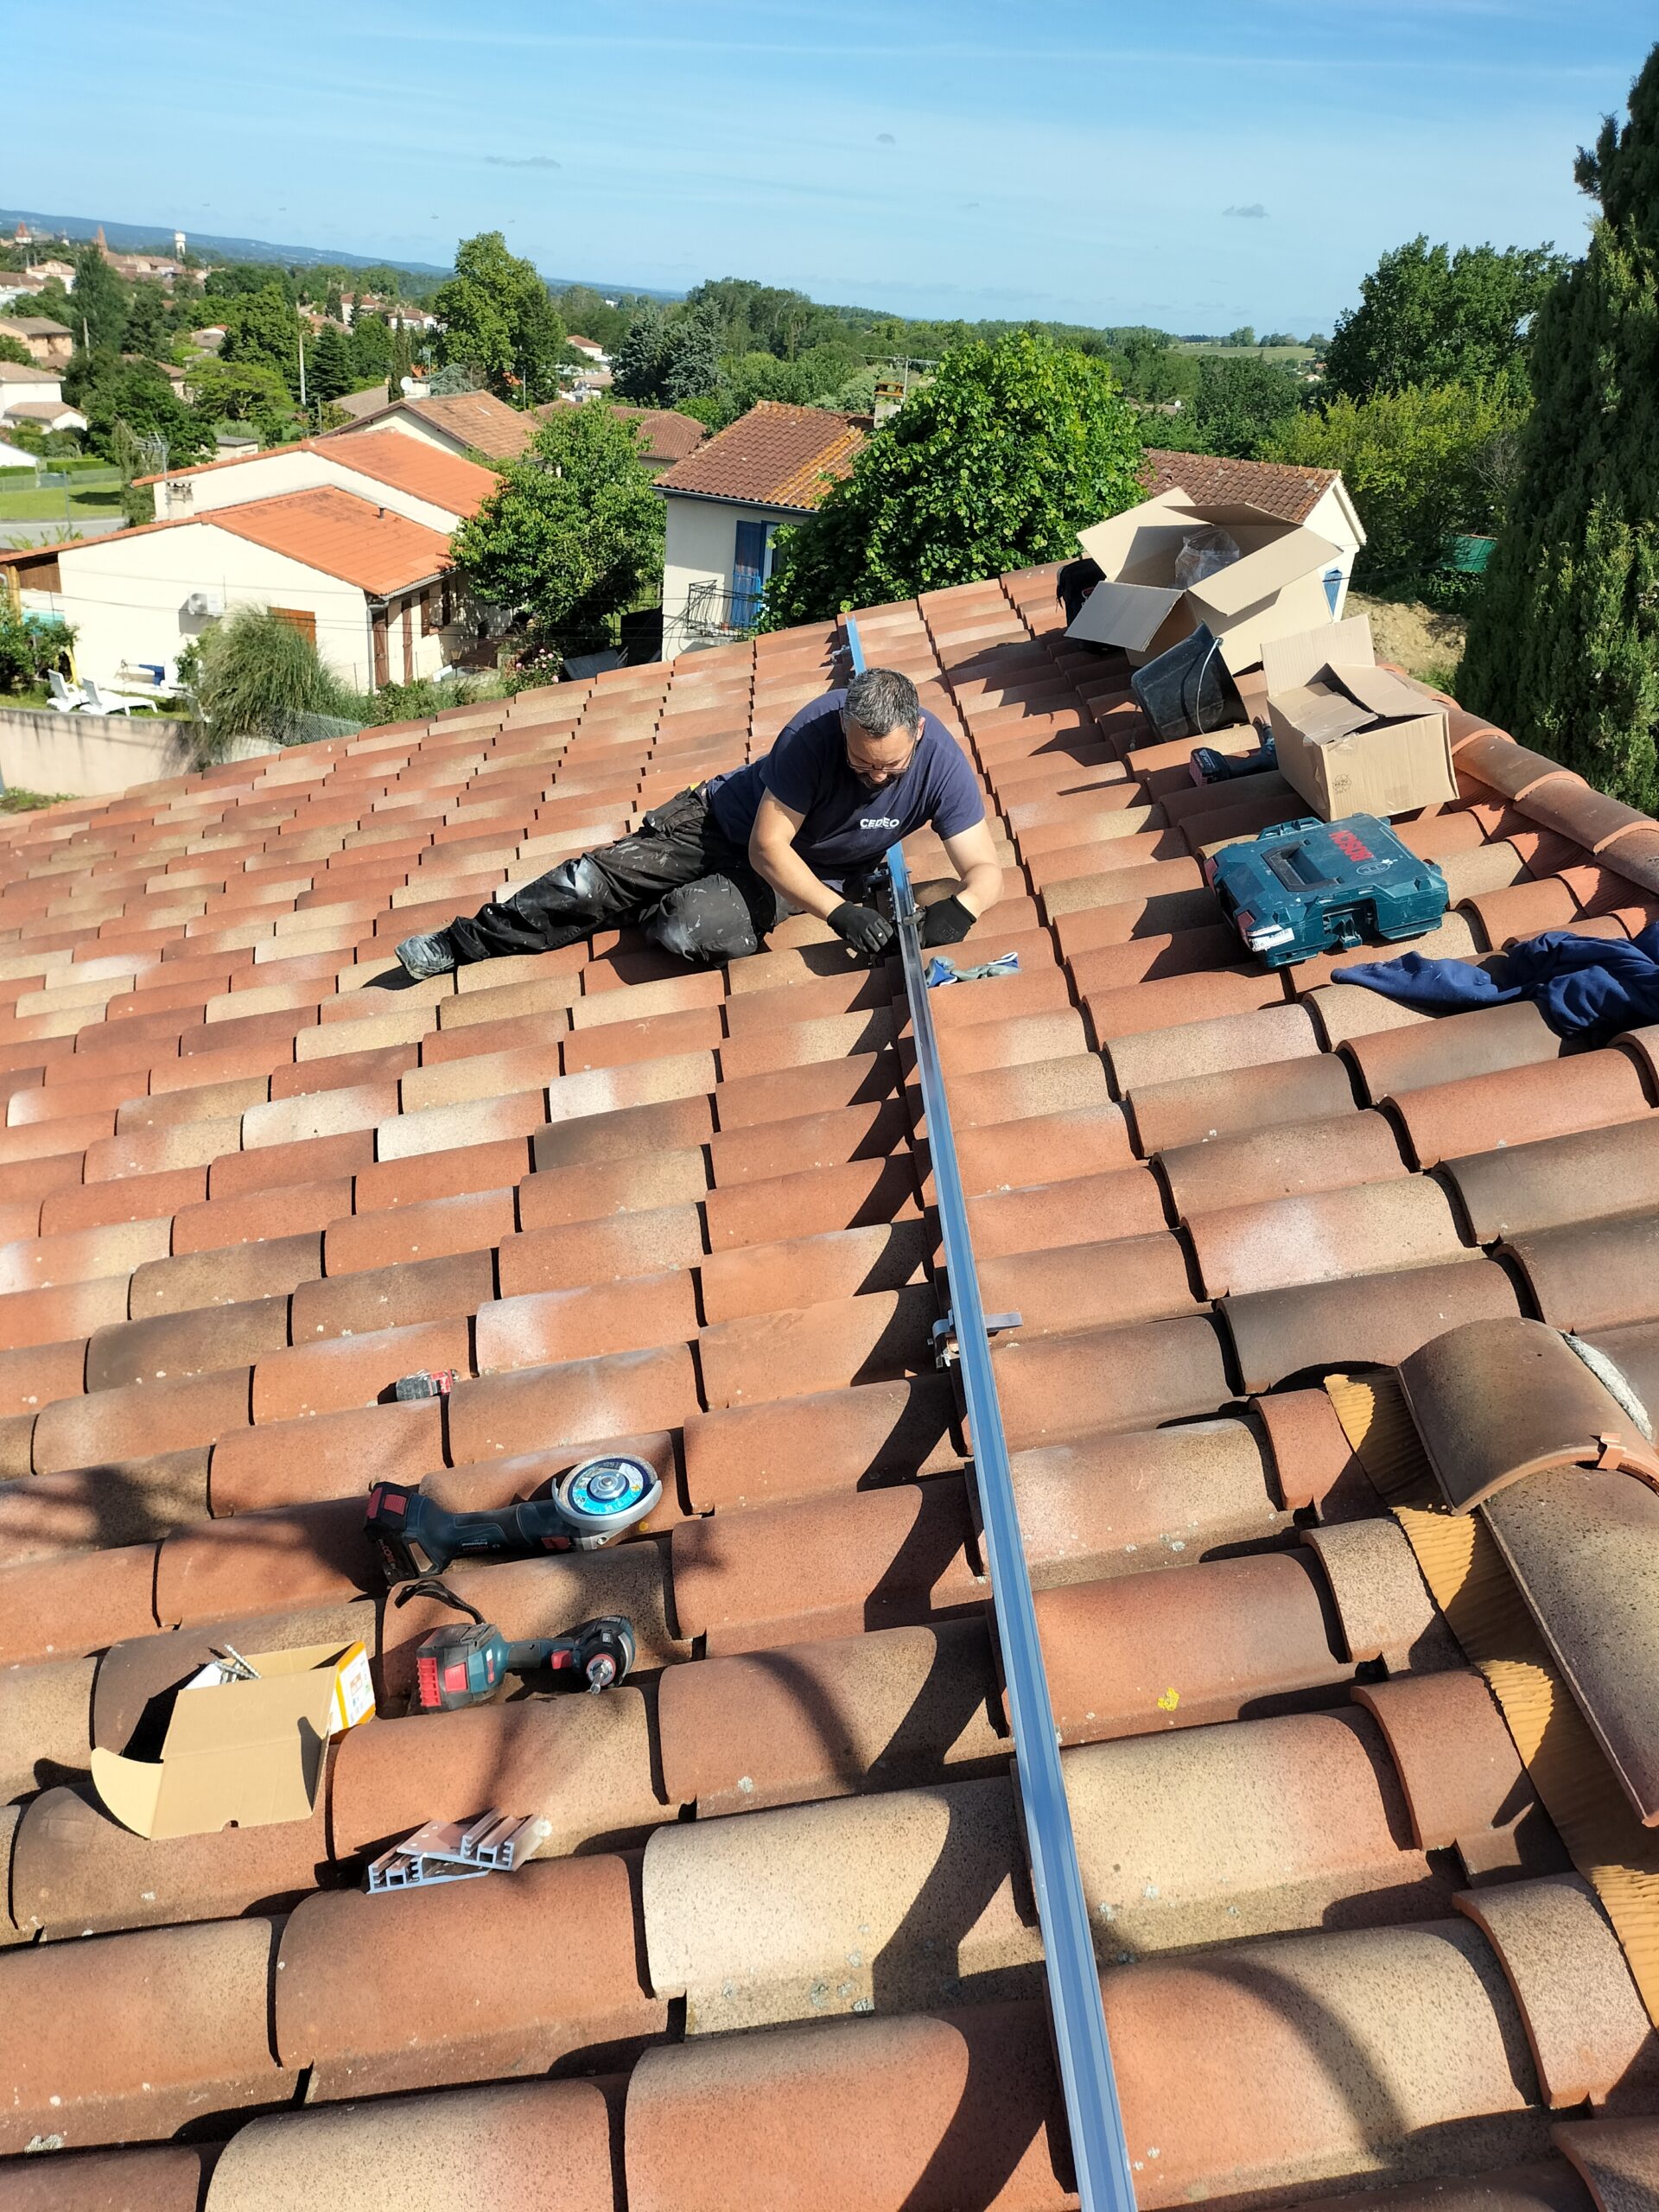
(772, 854)
(973, 854)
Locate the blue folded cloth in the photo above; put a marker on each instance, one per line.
(940, 970)
(1586, 988)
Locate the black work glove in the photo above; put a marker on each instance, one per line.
(946, 922)
(862, 927)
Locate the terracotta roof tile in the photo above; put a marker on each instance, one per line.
(477, 419)
(774, 456)
(1279, 487)
(696, 1204)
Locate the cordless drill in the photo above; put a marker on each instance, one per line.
(457, 1665)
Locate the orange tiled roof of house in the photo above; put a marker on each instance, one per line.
(670, 435)
(250, 1178)
(342, 536)
(776, 455)
(1277, 487)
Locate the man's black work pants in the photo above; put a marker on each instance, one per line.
(691, 890)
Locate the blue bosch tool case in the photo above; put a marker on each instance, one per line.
(1305, 888)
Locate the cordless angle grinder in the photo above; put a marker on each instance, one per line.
(590, 1506)
(457, 1666)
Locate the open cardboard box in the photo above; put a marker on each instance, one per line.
(242, 1754)
(1274, 589)
(1352, 738)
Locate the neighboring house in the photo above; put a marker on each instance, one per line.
(586, 384)
(63, 271)
(210, 339)
(358, 404)
(35, 395)
(28, 380)
(48, 342)
(668, 436)
(588, 348)
(19, 457)
(45, 414)
(368, 587)
(412, 479)
(19, 284)
(412, 317)
(461, 422)
(1317, 498)
(725, 503)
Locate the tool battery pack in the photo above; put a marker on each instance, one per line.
(1305, 888)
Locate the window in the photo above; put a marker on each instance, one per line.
(749, 573)
(300, 619)
(431, 610)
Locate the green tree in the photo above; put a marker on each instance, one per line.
(233, 279)
(99, 303)
(149, 319)
(690, 357)
(371, 351)
(1241, 403)
(1244, 335)
(134, 396)
(1150, 368)
(499, 319)
(1421, 464)
(13, 349)
(584, 310)
(333, 369)
(1429, 316)
(263, 330)
(572, 534)
(246, 392)
(1564, 636)
(636, 366)
(995, 465)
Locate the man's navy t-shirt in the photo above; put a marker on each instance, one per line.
(847, 826)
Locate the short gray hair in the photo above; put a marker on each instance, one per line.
(882, 700)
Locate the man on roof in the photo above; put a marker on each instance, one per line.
(797, 831)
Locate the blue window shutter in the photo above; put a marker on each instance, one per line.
(1332, 580)
(748, 572)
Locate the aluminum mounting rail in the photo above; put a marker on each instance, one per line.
(1100, 2153)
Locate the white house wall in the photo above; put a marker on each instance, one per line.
(126, 597)
(699, 547)
(268, 475)
(1331, 520)
(413, 426)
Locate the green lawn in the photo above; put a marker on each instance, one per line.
(1264, 352)
(47, 506)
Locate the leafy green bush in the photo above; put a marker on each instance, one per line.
(29, 648)
(254, 675)
(1421, 465)
(1564, 635)
(571, 533)
(995, 465)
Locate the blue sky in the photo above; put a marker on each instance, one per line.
(1195, 167)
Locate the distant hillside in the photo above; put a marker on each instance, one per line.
(140, 238)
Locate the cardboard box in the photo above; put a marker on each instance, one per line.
(1351, 738)
(242, 1754)
(1275, 589)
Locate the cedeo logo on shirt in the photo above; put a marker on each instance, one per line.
(878, 822)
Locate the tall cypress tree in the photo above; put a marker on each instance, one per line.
(1564, 640)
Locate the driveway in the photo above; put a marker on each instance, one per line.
(44, 533)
